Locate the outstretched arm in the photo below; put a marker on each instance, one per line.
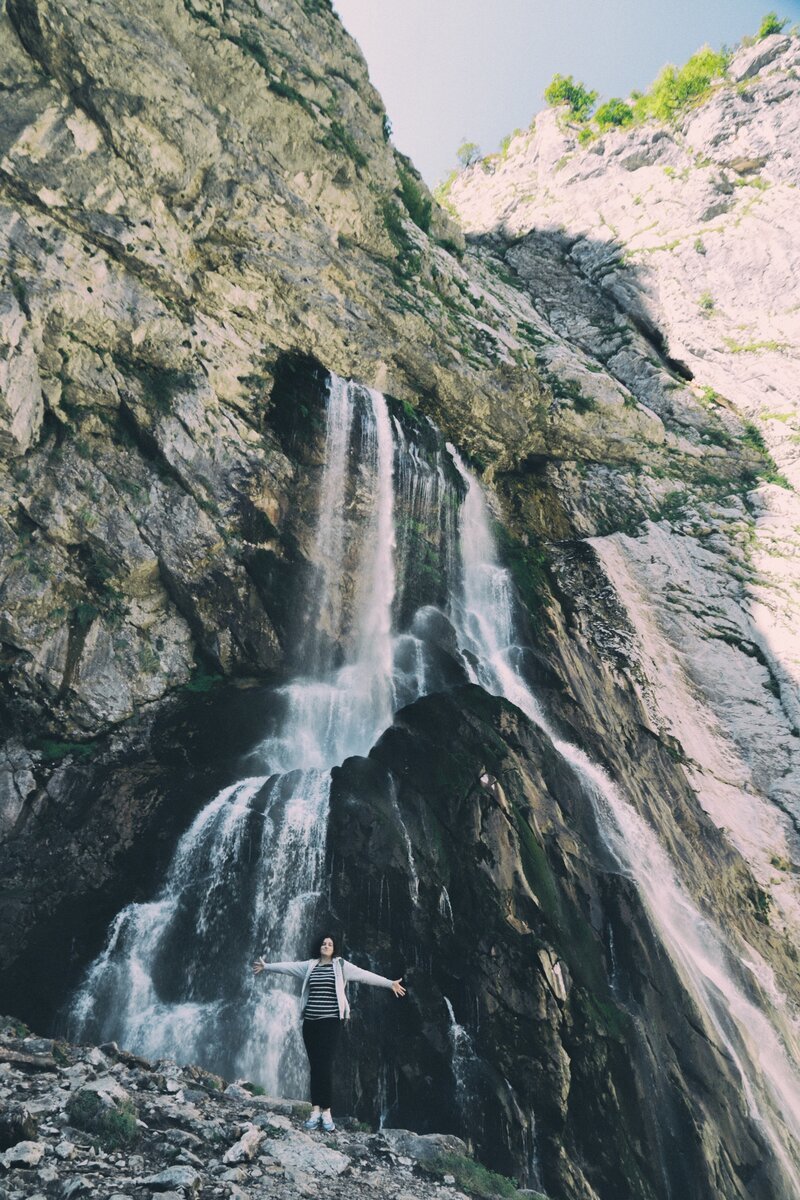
(297, 969)
(359, 975)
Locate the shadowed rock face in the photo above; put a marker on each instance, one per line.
(574, 1076)
(100, 833)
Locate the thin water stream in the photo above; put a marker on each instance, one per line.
(756, 1038)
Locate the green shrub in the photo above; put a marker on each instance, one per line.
(52, 751)
(677, 87)
(115, 1126)
(255, 1089)
(341, 139)
(393, 221)
(415, 198)
(706, 302)
(468, 153)
(614, 112)
(771, 23)
(563, 89)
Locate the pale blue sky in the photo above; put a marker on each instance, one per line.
(476, 69)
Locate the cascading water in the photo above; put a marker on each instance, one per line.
(173, 978)
(392, 538)
(761, 1047)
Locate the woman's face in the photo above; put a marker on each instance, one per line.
(326, 949)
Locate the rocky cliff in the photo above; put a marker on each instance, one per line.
(188, 250)
(668, 254)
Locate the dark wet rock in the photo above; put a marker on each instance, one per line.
(499, 911)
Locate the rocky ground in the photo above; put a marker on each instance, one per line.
(164, 1131)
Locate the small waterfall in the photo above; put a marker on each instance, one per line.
(413, 877)
(446, 908)
(462, 1055)
(755, 1044)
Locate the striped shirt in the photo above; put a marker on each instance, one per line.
(322, 1000)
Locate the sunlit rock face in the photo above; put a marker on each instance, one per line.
(189, 250)
(677, 247)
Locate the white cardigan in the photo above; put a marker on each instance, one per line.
(343, 973)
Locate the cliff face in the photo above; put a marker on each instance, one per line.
(676, 248)
(188, 250)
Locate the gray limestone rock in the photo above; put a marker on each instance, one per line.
(423, 1147)
(183, 1177)
(23, 1154)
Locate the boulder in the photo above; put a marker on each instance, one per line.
(423, 1147)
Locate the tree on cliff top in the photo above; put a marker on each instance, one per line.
(563, 89)
(468, 153)
(771, 23)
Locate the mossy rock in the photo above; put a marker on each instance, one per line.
(116, 1126)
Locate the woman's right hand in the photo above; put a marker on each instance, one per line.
(258, 966)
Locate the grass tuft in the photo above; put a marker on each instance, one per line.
(115, 1126)
(476, 1179)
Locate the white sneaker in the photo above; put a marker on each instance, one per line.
(328, 1125)
(313, 1121)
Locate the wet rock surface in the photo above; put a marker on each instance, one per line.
(540, 999)
(174, 1132)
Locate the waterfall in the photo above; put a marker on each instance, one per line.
(402, 538)
(173, 978)
(759, 1046)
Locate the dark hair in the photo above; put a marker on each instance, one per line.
(320, 940)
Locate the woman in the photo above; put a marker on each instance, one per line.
(324, 1006)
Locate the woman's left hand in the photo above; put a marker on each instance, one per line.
(398, 988)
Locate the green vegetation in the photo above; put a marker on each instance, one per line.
(53, 751)
(506, 142)
(563, 89)
(202, 682)
(253, 48)
(761, 904)
(615, 112)
(673, 507)
(442, 191)
(675, 88)
(753, 347)
(706, 302)
(116, 1126)
(473, 1178)
(341, 139)
(281, 88)
(771, 23)
(468, 153)
(781, 863)
(753, 439)
(255, 1089)
(415, 198)
(569, 389)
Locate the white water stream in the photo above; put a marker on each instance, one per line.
(148, 989)
(761, 1047)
